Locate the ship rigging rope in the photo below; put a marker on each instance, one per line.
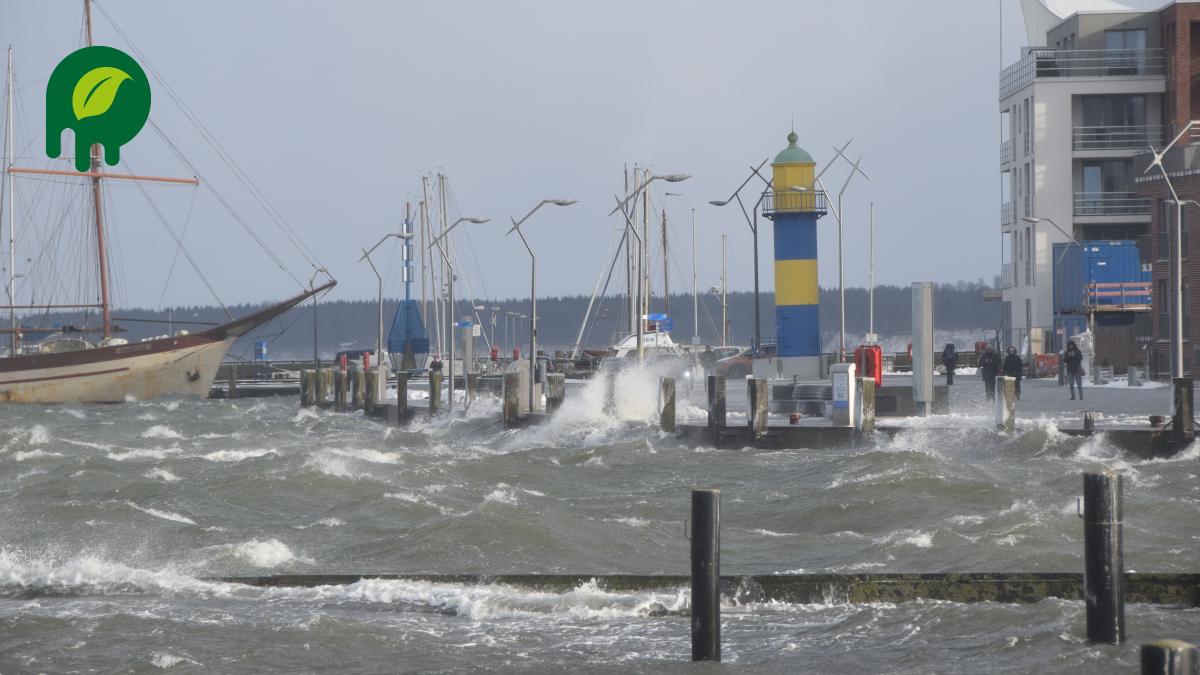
(187, 222)
(180, 248)
(273, 213)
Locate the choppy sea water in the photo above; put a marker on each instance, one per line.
(113, 515)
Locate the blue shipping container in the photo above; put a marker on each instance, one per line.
(1097, 262)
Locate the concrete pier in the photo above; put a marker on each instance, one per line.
(511, 403)
(757, 394)
(666, 405)
(556, 391)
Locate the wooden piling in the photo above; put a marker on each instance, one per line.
(1103, 552)
(866, 420)
(1170, 657)
(324, 386)
(706, 574)
(370, 390)
(472, 387)
(356, 389)
(511, 405)
(233, 374)
(556, 391)
(610, 391)
(402, 392)
(340, 385)
(435, 392)
(757, 396)
(716, 405)
(1182, 422)
(1089, 421)
(308, 393)
(666, 405)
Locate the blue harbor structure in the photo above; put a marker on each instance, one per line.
(407, 341)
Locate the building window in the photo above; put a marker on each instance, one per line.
(1187, 314)
(1125, 51)
(1028, 258)
(1027, 128)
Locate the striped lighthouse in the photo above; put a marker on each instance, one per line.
(794, 205)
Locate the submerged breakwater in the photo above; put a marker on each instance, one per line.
(115, 515)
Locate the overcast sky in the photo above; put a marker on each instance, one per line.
(335, 110)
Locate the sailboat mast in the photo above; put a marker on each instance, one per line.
(98, 209)
(12, 221)
(666, 283)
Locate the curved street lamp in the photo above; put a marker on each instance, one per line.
(533, 287)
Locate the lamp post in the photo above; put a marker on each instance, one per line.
(533, 288)
(494, 310)
(381, 382)
(621, 206)
(437, 241)
(1177, 333)
(753, 224)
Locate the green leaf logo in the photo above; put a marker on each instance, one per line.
(95, 91)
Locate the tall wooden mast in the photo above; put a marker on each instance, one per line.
(98, 208)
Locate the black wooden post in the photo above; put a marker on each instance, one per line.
(1170, 657)
(706, 574)
(1103, 551)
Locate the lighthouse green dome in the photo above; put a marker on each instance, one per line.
(793, 154)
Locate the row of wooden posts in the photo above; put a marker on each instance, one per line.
(353, 389)
(1104, 577)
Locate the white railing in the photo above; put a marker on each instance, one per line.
(1041, 62)
(1113, 137)
(1111, 204)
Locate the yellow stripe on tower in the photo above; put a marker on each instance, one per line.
(796, 282)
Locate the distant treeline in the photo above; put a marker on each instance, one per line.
(345, 324)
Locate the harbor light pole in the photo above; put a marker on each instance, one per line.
(437, 241)
(312, 286)
(381, 383)
(695, 293)
(533, 288)
(753, 224)
(621, 206)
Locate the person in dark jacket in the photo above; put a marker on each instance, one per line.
(989, 368)
(950, 361)
(1013, 367)
(1073, 360)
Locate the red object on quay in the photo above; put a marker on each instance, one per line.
(868, 361)
(794, 418)
(342, 363)
(366, 360)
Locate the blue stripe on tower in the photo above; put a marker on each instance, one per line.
(798, 330)
(795, 237)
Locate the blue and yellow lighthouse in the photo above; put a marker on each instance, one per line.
(794, 205)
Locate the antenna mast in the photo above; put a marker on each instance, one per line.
(12, 200)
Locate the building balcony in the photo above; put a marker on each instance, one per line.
(809, 201)
(1111, 204)
(1008, 275)
(1124, 137)
(1008, 213)
(1043, 63)
(1008, 152)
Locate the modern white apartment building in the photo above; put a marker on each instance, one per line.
(1081, 101)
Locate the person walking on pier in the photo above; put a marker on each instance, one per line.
(1073, 360)
(989, 368)
(1013, 367)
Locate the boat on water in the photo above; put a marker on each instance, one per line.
(66, 366)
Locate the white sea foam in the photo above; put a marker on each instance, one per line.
(77, 414)
(23, 455)
(920, 540)
(331, 522)
(630, 521)
(269, 553)
(163, 474)
(769, 533)
(164, 660)
(238, 455)
(165, 515)
(38, 435)
(90, 574)
(503, 494)
(161, 431)
(142, 453)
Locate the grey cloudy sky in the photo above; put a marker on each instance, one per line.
(335, 109)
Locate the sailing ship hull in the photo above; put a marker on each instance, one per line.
(185, 364)
(138, 371)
